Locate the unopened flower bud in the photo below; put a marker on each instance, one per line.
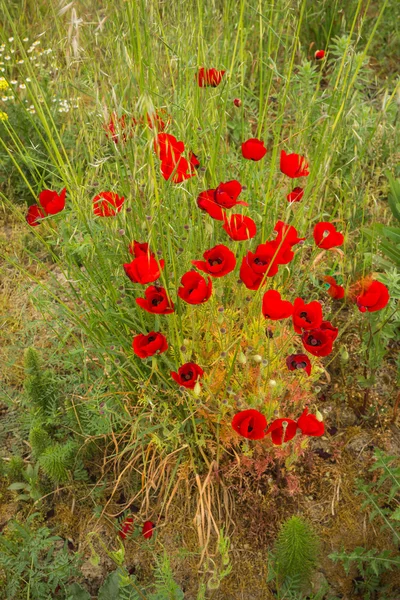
(257, 358)
(197, 389)
(241, 358)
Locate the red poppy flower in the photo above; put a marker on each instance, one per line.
(144, 269)
(298, 361)
(126, 527)
(156, 301)
(293, 165)
(250, 424)
(374, 296)
(239, 227)
(147, 529)
(194, 161)
(319, 342)
(295, 195)
(319, 54)
(149, 344)
(167, 147)
(194, 288)
(282, 430)
(326, 236)
(188, 375)
(52, 202)
(155, 121)
(287, 234)
(310, 425)
(254, 149)
(117, 126)
(169, 151)
(218, 261)
(273, 307)
(34, 215)
(257, 265)
(306, 316)
(237, 102)
(139, 249)
(107, 204)
(206, 202)
(209, 77)
(226, 194)
(335, 291)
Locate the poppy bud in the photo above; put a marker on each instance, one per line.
(197, 389)
(272, 382)
(319, 416)
(344, 356)
(237, 102)
(257, 358)
(242, 359)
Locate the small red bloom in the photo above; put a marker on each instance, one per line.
(374, 296)
(239, 228)
(237, 102)
(209, 77)
(155, 121)
(273, 307)
(126, 527)
(206, 202)
(149, 344)
(295, 195)
(310, 425)
(34, 215)
(147, 529)
(226, 195)
(116, 126)
(218, 261)
(169, 151)
(298, 361)
(282, 430)
(319, 54)
(319, 342)
(254, 149)
(188, 375)
(194, 161)
(326, 236)
(335, 291)
(250, 424)
(52, 202)
(139, 249)
(293, 165)
(287, 234)
(194, 288)
(306, 316)
(156, 301)
(144, 269)
(107, 204)
(257, 265)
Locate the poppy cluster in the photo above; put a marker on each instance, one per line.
(51, 203)
(173, 164)
(267, 258)
(252, 425)
(216, 201)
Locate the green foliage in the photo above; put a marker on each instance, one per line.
(14, 467)
(40, 386)
(381, 499)
(166, 587)
(33, 562)
(386, 236)
(296, 553)
(57, 460)
(28, 484)
(39, 440)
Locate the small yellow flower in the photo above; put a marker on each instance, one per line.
(3, 116)
(3, 84)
